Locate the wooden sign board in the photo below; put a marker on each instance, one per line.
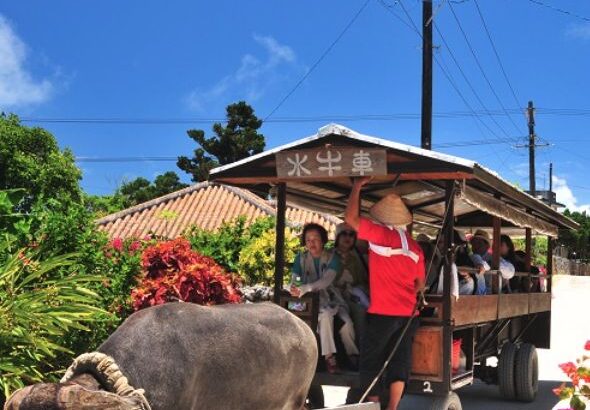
(331, 162)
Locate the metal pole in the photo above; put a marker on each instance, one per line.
(550, 242)
(448, 235)
(427, 22)
(531, 117)
(551, 184)
(280, 240)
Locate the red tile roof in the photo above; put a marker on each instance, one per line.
(206, 205)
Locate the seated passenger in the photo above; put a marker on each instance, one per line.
(432, 260)
(462, 282)
(481, 258)
(523, 283)
(508, 254)
(314, 270)
(352, 281)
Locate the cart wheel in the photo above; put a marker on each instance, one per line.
(450, 402)
(315, 397)
(506, 366)
(527, 373)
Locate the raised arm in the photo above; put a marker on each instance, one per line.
(352, 216)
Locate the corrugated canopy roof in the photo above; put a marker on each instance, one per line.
(417, 175)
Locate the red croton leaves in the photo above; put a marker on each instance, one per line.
(172, 271)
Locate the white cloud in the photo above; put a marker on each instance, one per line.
(17, 86)
(565, 195)
(581, 31)
(251, 80)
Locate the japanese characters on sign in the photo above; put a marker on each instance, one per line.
(331, 161)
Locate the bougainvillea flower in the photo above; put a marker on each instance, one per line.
(117, 244)
(568, 368)
(135, 245)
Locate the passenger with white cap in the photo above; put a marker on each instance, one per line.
(482, 259)
(396, 276)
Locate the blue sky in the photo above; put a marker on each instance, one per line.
(188, 60)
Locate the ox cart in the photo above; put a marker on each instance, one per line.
(443, 193)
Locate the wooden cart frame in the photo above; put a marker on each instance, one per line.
(443, 192)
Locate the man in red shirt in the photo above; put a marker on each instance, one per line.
(396, 275)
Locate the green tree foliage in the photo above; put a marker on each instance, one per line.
(238, 139)
(132, 193)
(141, 190)
(31, 159)
(539, 246)
(102, 205)
(577, 241)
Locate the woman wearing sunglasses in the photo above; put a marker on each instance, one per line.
(352, 278)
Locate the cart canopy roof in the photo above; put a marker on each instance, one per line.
(419, 176)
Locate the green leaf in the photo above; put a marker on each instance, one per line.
(576, 403)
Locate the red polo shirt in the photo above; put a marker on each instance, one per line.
(392, 278)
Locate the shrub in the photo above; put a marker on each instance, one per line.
(225, 244)
(578, 393)
(36, 312)
(257, 259)
(172, 271)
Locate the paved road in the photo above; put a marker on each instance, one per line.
(570, 328)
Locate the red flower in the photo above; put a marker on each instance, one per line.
(587, 345)
(117, 244)
(569, 368)
(135, 245)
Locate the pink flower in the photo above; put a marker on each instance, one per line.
(568, 368)
(117, 244)
(135, 245)
(587, 345)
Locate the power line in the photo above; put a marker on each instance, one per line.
(563, 112)
(481, 67)
(516, 99)
(125, 159)
(451, 144)
(393, 13)
(319, 60)
(467, 80)
(447, 76)
(559, 10)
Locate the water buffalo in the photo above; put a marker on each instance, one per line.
(185, 356)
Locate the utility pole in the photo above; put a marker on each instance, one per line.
(550, 183)
(531, 117)
(426, 137)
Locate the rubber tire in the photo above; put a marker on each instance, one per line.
(450, 402)
(315, 397)
(506, 371)
(527, 373)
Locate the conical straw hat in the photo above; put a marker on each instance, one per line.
(391, 210)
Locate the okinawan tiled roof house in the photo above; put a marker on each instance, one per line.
(206, 205)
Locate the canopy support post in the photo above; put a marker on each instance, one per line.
(496, 279)
(528, 248)
(280, 240)
(550, 247)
